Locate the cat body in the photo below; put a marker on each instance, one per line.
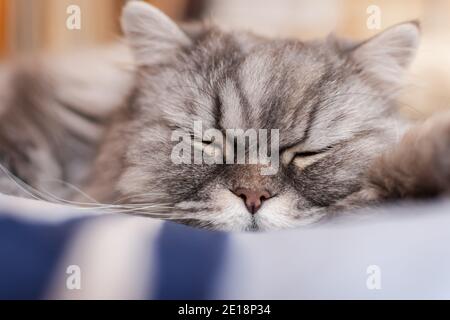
(333, 103)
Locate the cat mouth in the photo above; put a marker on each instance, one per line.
(253, 226)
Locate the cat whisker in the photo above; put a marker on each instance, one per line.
(74, 188)
(21, 184)
(51, 198)
(131, 196)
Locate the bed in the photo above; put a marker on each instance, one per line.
(54, 252)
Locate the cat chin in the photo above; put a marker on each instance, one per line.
(231, 215)
(283, 213)
(224, 212)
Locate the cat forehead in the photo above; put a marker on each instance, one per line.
(285, 85)
(219, 55)
(268, 75)
(275, 85)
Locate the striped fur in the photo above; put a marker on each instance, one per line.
(333, 102)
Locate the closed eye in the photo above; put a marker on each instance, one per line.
(306, 158)
(306, 154)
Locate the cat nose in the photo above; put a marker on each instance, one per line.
(253, 199)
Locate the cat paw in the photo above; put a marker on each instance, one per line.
(419, 166)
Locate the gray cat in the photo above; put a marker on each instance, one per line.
(332, 102)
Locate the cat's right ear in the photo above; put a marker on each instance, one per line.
(153, 36)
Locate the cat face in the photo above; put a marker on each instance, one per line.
(330, 102)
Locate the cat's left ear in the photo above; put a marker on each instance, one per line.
(386, 56)
(153, 36)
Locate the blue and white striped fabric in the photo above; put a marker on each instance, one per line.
(121, 257)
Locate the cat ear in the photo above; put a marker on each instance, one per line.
(152, 35)
(386, 56)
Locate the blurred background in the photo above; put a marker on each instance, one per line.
(28, 26)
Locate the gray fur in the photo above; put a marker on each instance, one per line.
(317, 96)
(322, 95)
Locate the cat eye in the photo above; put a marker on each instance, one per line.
(306, 158)
(307, 154)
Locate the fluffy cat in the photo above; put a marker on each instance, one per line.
(332, 100)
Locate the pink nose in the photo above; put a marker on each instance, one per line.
(253, 199)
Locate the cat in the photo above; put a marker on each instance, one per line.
(342, 143)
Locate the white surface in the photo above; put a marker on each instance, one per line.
(410, 245)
